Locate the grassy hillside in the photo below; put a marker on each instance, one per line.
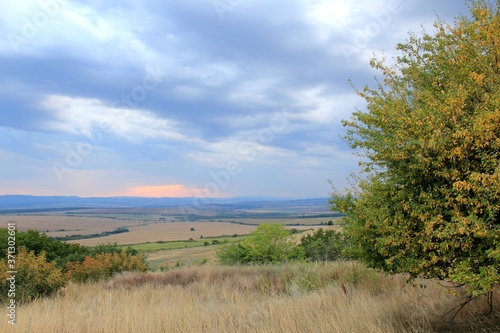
(292, 298)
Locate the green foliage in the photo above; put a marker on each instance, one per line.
(269, 243)
(430, 202)
(105, 265)
(324, 245)
(55, 250)
(35, 277)
(45, 256)
(111, 248)
(233, 253)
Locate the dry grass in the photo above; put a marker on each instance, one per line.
(185, 256)
(295, 298)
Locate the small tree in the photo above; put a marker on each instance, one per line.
(233, 253)
(269, 243)
(35, 277)
(324, 245)
(105, 265)
(55, 250)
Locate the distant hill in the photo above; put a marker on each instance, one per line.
(22, 202)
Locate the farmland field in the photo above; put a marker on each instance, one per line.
(60, 225)
(306, 221)
(173, 245)
(129, 225)
(170, 231)
(186, 256)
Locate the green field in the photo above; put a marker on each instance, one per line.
(174, 245)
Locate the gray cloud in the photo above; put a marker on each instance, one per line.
(184, 94)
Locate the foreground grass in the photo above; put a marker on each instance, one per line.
(292, 298)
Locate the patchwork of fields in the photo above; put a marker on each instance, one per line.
(170, 231)
(162, 224)
(61, 225)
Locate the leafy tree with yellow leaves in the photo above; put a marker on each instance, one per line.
(429, 204)
(34, 277)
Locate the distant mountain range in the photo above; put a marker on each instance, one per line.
(16, 202)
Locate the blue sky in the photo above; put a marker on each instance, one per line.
(209, 98)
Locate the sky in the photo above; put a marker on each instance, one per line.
(205, 98)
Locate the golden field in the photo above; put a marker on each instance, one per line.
(140, 230)
(60, 225)
(294, 298)
(169, 231)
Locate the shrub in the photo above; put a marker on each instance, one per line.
(105, 265)
(55, 250)
(35, 277)
(233, 253)
(269, 243)
(324, 245)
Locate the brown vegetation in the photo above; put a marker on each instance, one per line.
(337, 297)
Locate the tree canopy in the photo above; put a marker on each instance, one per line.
(324, 245)
(269, 243)
(429, 201)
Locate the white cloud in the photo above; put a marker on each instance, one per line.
(36, 29)
(329, 16)
(322, 106)
(253, 93)
(85, 116)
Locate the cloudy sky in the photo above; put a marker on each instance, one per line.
(200, 98)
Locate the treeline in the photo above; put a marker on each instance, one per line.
(102, 234)
(271, 243)
(44, 265)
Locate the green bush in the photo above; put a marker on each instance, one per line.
(324, 245)
(233, 253)
(105, 265)
(41, 257)
(269, 243)
(55, 250)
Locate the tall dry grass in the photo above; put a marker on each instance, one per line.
(293, 298)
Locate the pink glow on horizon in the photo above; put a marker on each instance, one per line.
(176, 190)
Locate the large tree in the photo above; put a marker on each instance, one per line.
(429, 202)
